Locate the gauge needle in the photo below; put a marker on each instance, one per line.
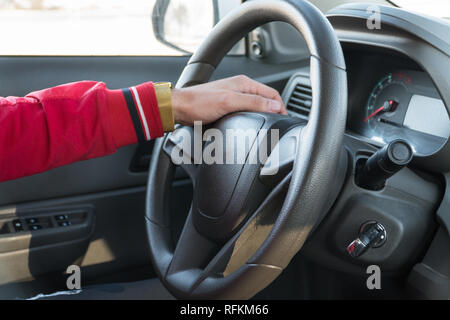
(374, 113)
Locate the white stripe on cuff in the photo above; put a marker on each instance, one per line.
(141, 111)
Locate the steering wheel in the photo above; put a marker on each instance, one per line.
(244, 226)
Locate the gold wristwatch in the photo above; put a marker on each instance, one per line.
(164, 98)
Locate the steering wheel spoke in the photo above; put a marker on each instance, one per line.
(192, 253)
(179, 147)
(242, 246)
(197, 258)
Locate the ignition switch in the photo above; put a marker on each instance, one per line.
(372, 235)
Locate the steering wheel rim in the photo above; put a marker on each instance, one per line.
(189, 269)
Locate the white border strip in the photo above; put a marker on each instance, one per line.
(141, 111)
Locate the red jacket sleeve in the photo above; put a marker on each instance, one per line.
(72, 122)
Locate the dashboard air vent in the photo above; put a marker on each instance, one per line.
(300, 97)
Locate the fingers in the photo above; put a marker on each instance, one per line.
(236, 101)
(246, 85)
(240, 93)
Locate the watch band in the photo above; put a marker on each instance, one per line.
(164, 98)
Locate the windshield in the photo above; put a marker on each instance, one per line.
(437, 8)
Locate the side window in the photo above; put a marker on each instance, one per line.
(108, 27)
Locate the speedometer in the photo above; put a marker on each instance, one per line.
(405, 105)
(384, 101)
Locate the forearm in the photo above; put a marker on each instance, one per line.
(74, 122)
(84, 120)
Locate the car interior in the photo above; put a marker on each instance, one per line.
(364, 178)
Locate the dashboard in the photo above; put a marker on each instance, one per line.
(389, 97)
(406, 61)
(397, 82)
(403, 104)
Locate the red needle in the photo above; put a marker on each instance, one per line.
(374, 113)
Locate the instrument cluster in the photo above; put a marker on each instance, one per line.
(403, 104)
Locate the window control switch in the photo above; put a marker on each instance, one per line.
(64, 223)
(35, 227)
(18, 226)
(61, 217)
(32, 220)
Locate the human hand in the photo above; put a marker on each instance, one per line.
(210, 101)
